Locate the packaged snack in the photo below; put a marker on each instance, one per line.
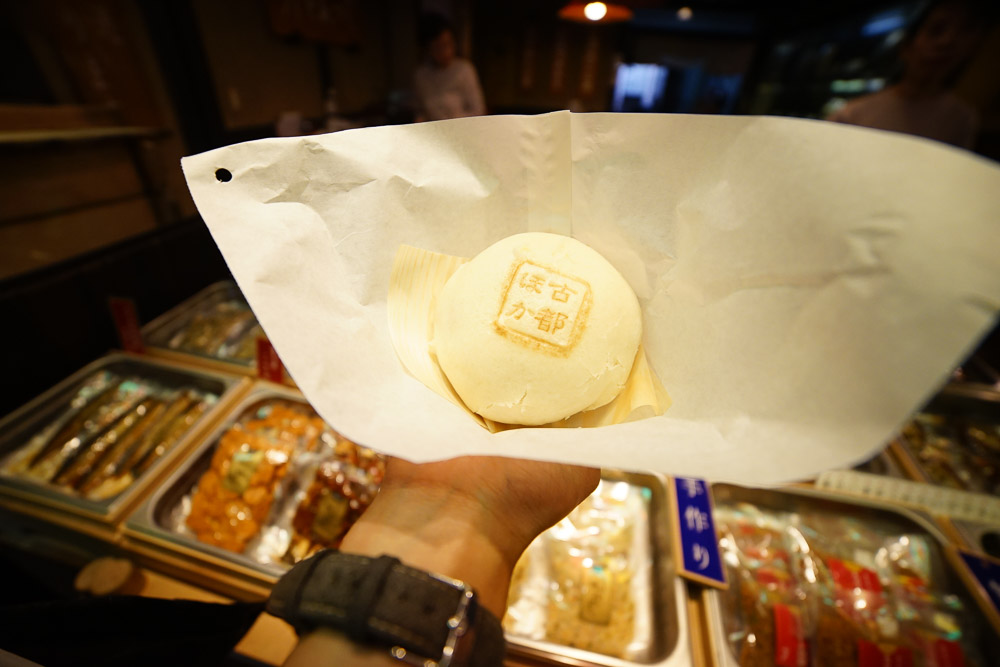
(817, 587)
(956, 451)
(585, 582)
(280, 486)
(234, 497)
(336, 498)
(225, 330)
(113, 429)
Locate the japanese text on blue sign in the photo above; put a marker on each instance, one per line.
(698, 543)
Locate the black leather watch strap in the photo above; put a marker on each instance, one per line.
(380, 600)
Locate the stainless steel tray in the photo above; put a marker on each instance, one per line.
(970, 400)
(158, 332)
(984, 537)
(977, 403)
(19, 426)
(150, 522)
(671, 640)
(148, 525)
(882, 464)
(977, 372)
(890, 519)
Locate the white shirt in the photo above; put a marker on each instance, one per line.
(942, 117)
(448, 92)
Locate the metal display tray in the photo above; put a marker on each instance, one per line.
(157, 333)
(891, 518)
(147, 529)
(671, 645)
(18, 427)
(882, 464)
(984, 537)
(149, 523)
(969, 401)
(977, 372)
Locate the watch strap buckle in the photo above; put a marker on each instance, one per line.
(458, 644)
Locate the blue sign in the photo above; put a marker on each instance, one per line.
(697, 541)
(988, 573)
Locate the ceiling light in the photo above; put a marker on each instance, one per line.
(685, 13)
(595, 12)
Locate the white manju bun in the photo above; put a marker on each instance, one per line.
(536, 328)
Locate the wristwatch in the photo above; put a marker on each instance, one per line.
(422, 618)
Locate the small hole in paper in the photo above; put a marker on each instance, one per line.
(224, 175)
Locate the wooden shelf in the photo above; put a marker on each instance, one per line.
(23, 137)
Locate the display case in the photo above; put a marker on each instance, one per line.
(215, 328)
(954, 441)
(268, 486)
(817, 579)
(601, 587)
(632, 547)
(978, 373)
(976, 536)
(85, 452)
(884, 463)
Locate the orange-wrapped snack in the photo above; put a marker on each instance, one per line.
(234, 497)
(337, 496)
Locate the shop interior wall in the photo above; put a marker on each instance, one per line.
(717, 55)
(57, 320)
(980, 87)
(65, 192)
(263, 64)
(98, 53)
(59, 199)
(256, 75)
(529, 61)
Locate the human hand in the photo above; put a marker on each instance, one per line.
(469, 517)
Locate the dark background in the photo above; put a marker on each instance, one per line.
(85, 216)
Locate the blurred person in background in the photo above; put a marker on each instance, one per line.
(446, 86)
(934, 52)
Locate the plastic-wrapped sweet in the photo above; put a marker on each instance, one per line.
(111, 431)
(281, 485)
(956, 452)
(823, 590)
(585, 582)
(339, 493)
(763, 554)
(227, 329)
(234, 496)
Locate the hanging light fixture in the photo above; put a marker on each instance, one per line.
(595, 12)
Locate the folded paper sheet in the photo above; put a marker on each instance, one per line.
(804, 285)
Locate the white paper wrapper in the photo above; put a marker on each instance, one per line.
(804, 285)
